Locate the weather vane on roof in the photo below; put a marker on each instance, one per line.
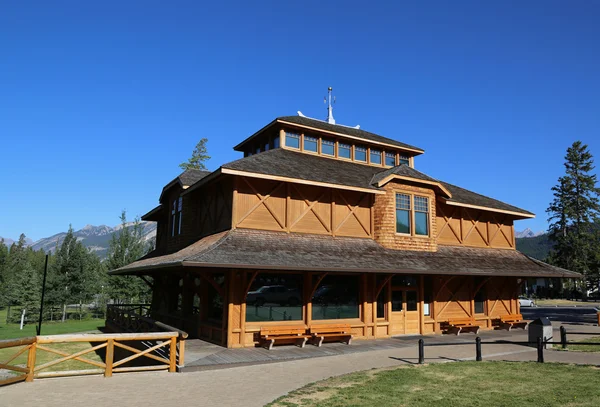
(330, 118)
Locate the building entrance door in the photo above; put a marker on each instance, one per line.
(405, 311)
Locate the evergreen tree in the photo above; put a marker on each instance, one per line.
(125, 247)
(198, 158)
(573, 213)
(3, 271)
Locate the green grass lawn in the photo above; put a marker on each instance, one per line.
(585, 348)
(486, 384)
(566, 303)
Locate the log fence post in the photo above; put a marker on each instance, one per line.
(421, 351)
(31, 361)
(173, 355)
(478, 349)
(110, 356)
(540, 350)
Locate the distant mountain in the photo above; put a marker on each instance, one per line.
(528, 233)
(96, 238)
(537, 247)
(8, 241)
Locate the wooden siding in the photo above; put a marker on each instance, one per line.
(471, 227)
(283, 206)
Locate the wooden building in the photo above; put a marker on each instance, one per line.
(323, 223)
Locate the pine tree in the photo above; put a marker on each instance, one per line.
(125, 247)
(3, 271)
(573, 213)
(198, 158)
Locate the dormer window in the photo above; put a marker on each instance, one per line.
(390, 159)
(292, 140)
(176, 216)
(328, 147)
(310, 143)
(404, 160)
(412, 210)
(344, 151)
(360, 153)
(276, 142)
(375, 156)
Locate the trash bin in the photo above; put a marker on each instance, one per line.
(540, 328)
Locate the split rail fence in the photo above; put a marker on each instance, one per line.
(154, 351)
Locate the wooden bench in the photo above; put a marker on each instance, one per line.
(458, 325)
(339, 332)
(287, 334)
(513, 321)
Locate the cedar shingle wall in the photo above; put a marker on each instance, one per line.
(385, 219)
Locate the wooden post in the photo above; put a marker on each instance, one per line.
(110, 356)
(421, 305)
(173, 355)
(181, 361)
(31, 361)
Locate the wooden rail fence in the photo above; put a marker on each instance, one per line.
(152, 343)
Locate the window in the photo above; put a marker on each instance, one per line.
(327, 147)
(344, 150)
(310, 143)
(276, 142)
(402, 213)
(390, 159)
(404, 160)
(381, 304)
(404, 281)
(266, 147)
(375, 156)
(405, 215)
(176, 215)
(411, 300)
(292, 140)
(360, 153)
(179, 210)
(396, 301)
(257, 150)
(336, 298)
(275, 297)
(427, 295)
(421, 216)
(479, 299)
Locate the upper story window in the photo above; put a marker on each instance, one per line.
(292, 140)
(375, 156)
(176, 216)
(276, 142)
(310, 143)
(404, 160)
(344, 151)
(267, 146)
(403, 213)
(257, 150)
(390, 159)
(412, 209)
(360, 153)
(328, 147)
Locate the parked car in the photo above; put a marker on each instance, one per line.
(526, 302)
(277, 294)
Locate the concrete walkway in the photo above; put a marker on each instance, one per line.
(255, 385)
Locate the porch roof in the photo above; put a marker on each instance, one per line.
(264, 250)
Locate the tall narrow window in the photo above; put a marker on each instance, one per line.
(173, 217)
(266, 147)
(179, 214)
(421, 215)
(344, 150)
(276, 142)
(390, 159)
(375, 156)
(292, 140)
(360, 153)
(310, 143)
(327, 147)
(402, 213)
(404, 160)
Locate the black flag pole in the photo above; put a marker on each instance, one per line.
(39, 327)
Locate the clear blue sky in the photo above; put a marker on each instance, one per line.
(100, 101)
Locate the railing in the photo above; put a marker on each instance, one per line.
(540, 344)
(113, 362)
(130, 317)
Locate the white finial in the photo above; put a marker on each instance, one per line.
(330, 118)
(300, 114)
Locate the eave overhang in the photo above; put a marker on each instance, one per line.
(441, 189)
